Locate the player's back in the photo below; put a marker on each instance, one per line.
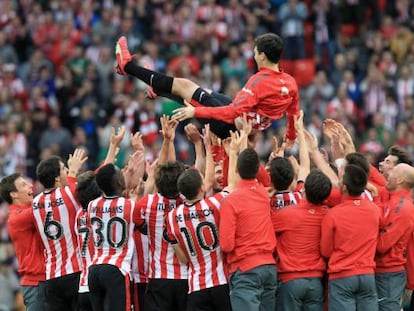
(275, 92)
(195, 227)
(163, 263)
(55, 213)
(112, 230)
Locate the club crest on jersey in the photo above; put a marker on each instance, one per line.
(284, 90)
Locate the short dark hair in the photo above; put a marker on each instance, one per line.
(355, 179)
(108, 179)
(248, 164)
(87, 188)
(270, 44)
(281, 173)
(7, 185)
(317, 187)
(47, 171)
(401, 154)
(358, 159)
(166, 176)
(189, 183)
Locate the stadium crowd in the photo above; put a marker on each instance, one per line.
(352, 61)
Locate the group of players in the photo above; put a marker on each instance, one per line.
(167, 237)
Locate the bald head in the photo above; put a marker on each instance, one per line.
(407, 174)
(400, 177)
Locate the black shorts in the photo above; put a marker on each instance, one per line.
(219, 128)
(166, 295)
(85, 302)
(62, 292)
(138, 295)
(109, 288)
(214, 298)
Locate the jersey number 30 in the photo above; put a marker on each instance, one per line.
(99, 228)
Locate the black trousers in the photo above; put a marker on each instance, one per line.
(210, 299)
(109, 289)
(85, 302)
(166, 295)
(62, 292)
(219, 128)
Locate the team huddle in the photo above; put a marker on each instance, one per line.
(227, 233)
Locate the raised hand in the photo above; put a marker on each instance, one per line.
(168, 127)
(311, 141)
(117, 135)
(192, 133)
(76, 161)
(137, 142)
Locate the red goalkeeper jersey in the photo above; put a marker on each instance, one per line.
(268, 94)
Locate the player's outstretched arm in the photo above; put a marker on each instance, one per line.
(209, 169)
(168, 128)
(114, 141)
(194, 136)
(318, 158)
(304, 160)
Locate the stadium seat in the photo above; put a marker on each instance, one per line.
(304, 71)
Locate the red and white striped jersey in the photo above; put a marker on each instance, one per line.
(55, 213)
(163, 263)
(195, 228)
(112, 221)
(284, 199)
(86, 248)
(140, 259)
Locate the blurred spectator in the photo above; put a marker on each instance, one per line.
(405, 85)
(373, 90)
(390, 112)
(371, 144)
(337, 71)
(7, 52)
(105, 29)
(56, 137)
(14, 146)
(234, 66)
(401, 42)
(318, 94)
(292, 16)
(185, 61)
(9, 287)
(342, 108)
(324, 20)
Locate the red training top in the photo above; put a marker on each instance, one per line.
(27, 245)
(246, 231)
(349, 237)
(298, 230)
(396, 230)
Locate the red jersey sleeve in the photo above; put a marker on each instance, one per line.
(263, 176)
(292, 111)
